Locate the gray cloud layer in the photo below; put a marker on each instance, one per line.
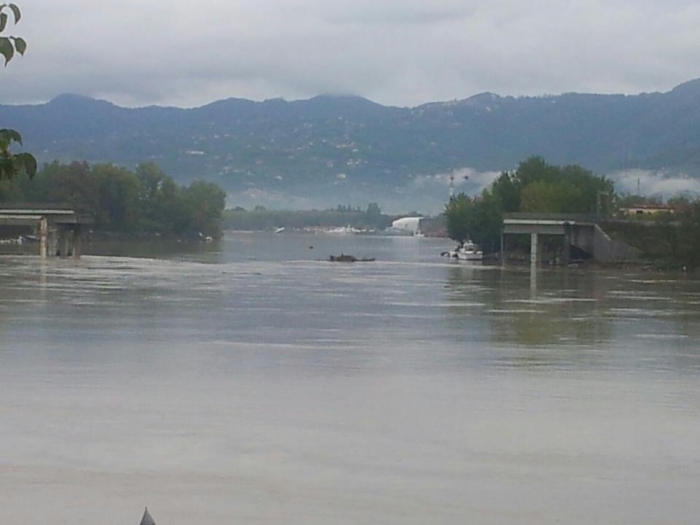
(400, 52)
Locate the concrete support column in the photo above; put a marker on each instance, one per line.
(43, 237)
(77, 240)
(566, 249)
(534, 248)
(52, 241)
(503, 249)
(66, 241)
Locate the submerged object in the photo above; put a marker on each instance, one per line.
(348, 258)
(147, 519)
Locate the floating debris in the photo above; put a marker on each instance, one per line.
(348, 258)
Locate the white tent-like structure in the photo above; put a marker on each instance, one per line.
(410, 225)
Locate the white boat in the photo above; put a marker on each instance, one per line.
(467, 251)
(280, 230)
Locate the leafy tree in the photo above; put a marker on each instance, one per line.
(170, 215)
(151, 177)
(550, 197)
(680, 233)
(122, 201)
(487, 222)
(118, 201)
(536, 187)
(458, 214)
(567, 189)
(12, 164)
(478, 219)
(74, 184)
(374, 212)
(506, 190)
(206, 202)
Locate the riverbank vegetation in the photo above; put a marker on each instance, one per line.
(668, 239)
(535, 187)
(260, 218)
(668, 234)
(141, 202)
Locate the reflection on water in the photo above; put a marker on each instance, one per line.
(563, 315)
(251, 380)
(565, 309)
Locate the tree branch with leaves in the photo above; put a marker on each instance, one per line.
(12, 164)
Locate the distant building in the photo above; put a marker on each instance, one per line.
(647, 209)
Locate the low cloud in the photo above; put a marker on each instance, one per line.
(467, 180)
(654, 183)
(396, 52)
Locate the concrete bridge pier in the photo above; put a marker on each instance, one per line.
(77, 240)
(48, 238)
(534, 248)
(43, 237)
(58, 227)
(60, 239)
(52, 240)
(64, 236)
(64, 240)
(566, 247)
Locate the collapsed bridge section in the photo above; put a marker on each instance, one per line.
(58, 228)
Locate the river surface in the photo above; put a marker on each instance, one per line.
(250, 381)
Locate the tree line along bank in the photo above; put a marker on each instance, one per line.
(140, 202)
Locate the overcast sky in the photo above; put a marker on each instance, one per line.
(396, 52)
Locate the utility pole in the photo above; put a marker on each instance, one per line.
(599, 202)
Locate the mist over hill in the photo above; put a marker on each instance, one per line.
(343, 149)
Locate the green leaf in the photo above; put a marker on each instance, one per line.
(28, 163)
(7, 168)
(16, 12)
(20, 45)
(10, 135)
(6, 49)
(3, 22)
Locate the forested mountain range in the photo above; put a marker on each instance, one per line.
(344, 146)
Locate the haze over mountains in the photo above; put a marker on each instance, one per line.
(330, 150)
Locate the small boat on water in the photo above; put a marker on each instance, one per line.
(466, 251)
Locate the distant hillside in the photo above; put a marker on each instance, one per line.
(333, 147)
